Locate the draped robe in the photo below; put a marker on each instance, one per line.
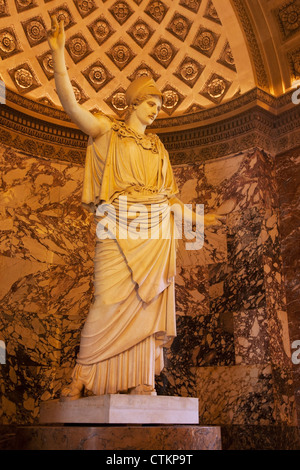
(133, 314)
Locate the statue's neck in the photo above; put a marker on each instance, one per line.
(134, 123)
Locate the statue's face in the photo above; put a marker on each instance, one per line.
(147, 110)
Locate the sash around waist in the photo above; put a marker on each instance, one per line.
(135, 216)
(144, 231)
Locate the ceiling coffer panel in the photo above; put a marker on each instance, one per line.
(180, 43)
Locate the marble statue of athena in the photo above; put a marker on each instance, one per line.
(132, 316)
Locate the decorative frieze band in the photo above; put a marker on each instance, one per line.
(255, 119)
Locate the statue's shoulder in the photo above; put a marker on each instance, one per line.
(115, 124)
(103, 117)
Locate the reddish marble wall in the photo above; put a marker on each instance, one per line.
(232, 348)
(46, 271)
(288, 177)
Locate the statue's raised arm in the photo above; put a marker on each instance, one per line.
(80, 116)
(127, 171)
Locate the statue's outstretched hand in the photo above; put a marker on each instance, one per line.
(56, 36)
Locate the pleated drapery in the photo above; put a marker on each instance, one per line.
(120, 373)
(133, 314)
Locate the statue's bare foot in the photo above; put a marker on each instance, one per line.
(72, 391)
(143, 390)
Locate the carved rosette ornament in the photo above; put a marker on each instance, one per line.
(192, 5)
(156, 10)
(164, 52)
(171, 99)
(46, 62)
(35, 30)
(120, 54)
(144, 71)
(101, 30)
(211, 13)
(179, 26)
(4, 11)
(63, 13)
(78, 47)
(205, 41)
(226, 58)
(121, 11)
(9, 44)
(294, 62)
(288, 17)
(85, 7)
(117, 101)
(80, 95)
(23, 5)
(24, 78)
(97, 75)
(189, 71)
(216, 88)
(140, 32)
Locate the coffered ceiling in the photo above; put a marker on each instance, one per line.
(200, 52)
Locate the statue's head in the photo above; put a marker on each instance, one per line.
(139, 90)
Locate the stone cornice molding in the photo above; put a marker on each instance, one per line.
(253, 119)
(58, 116)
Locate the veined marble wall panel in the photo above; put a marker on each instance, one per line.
(227, 293)
(233, 352)
(22, 388)
(42, 198)
(46, 266)
(244, 394)
(239, 394)
(288, 177)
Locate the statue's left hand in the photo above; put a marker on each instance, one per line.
(56, 36)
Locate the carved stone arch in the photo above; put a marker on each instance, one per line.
(238, 43)
(264, 39)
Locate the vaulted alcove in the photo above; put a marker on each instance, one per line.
(228, 70)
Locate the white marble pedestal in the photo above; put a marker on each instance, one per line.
(121, 409)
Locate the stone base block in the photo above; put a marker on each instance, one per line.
(114, 437)
(121, 409)
(111, 437)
